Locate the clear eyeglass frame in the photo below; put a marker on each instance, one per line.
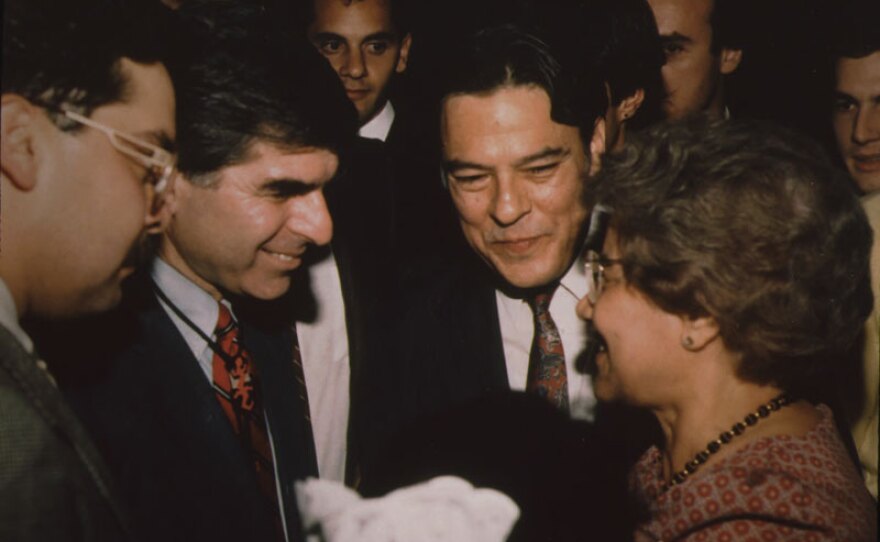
(594, 269)
(157, 160)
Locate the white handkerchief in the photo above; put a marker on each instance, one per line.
(440, 510)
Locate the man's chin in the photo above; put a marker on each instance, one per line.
(268, 289)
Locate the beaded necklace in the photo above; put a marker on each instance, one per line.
(725, 437)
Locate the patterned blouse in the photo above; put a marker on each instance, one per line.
(779, 488)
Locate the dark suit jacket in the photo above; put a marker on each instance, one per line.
(53, 483)
(425, 221)
(448, 409)
(167, 441)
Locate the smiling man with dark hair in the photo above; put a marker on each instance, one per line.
(200, 411)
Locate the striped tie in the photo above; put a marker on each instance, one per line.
(299, 373)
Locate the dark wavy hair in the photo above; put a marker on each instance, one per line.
(240, 78)
(67, 54)
(748, 223)
(513, 55)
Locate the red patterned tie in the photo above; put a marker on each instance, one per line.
(547, 375)
(236, 388)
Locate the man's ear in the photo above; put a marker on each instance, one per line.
(17, 131)
(403, 55)
(696, 333)
(597, 145)
(730, 59)
(630, 105)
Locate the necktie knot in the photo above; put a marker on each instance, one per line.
(225, 323)
(540, 303)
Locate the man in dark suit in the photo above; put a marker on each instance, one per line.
(87, 105)
(522, 130)
(201, 410)
(520, 136)
(368, 43)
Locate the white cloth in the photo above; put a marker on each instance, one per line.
(203, 311)
(518, 328)
(379, 126)
(9, 318)
(324, 348)
(439, 510)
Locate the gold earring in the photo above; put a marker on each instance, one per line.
(687, 343)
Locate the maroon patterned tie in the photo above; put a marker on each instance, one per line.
(547, 375)
(237, 390)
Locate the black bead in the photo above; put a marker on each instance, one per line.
(678, 478)
(751, 419)
(714, 446)
(689, 468)
(702, 457)
(763, 411)
(738, 428)
(725, 437)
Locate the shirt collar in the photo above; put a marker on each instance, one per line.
(379, 126)
(9, 318)
(573, 283)
(197, 304)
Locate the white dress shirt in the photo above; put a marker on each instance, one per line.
(324, 347)
(518, 328)
(379, 126)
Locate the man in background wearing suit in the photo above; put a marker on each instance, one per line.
(87, 124)
(701, 53)
(368, 43)
(202, 413)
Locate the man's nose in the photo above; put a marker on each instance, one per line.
(511, 200)
(866, 127)
(354, 65)
(310, 218)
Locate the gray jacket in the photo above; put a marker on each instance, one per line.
(53, 483)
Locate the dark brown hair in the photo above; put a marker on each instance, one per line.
(750, 224)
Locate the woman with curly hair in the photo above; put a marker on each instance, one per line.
(733, 275)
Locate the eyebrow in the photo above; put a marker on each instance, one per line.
(376, 36)
(320, 36)
(385, 36)
(159, 138)
(675, 37)
(545, 153)
(289, 187)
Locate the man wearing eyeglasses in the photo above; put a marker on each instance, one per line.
(202, 413)
(87, 130)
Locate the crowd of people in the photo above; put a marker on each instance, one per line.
(554, 249)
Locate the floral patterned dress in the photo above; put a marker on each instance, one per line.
(780, 488)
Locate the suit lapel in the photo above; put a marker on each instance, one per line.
(191, 414)
(292, 439)
(47, 400)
